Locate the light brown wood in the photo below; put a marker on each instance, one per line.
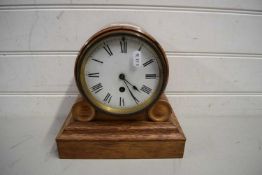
(123, 150)
(83, 111)
(160, 111)
(108, 139)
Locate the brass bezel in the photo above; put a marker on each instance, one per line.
(119, 30)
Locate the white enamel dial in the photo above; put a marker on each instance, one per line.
(122, 74)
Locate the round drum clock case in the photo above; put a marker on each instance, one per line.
(121, 73)
(121, 70)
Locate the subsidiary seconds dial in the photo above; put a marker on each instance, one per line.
(121, 70)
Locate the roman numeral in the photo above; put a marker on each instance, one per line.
(146, 89)
(108, 98)
(97, 61)
(107, 49)
(139, 49)
(148, 62)
(94, 75)
(121, 101)
(150, 76)
(123, 44)
(96, 88)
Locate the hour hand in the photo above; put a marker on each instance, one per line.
(122, 77)
(134, 87)
(135, 99)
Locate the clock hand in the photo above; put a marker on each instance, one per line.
(134, 87)
(135, 99)
(122, 77)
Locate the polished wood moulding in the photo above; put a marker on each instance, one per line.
(119, 139)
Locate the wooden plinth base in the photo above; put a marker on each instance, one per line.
(120, 139)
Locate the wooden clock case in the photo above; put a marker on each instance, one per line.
(153, 132)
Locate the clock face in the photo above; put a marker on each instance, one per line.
(121, 73)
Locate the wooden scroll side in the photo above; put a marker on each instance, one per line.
(159, 112)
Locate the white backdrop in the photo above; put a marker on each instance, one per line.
(215, 55)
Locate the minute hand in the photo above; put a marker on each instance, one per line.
(135, 99)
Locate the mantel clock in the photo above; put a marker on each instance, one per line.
(122, 112)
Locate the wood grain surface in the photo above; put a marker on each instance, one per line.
(107, 139)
